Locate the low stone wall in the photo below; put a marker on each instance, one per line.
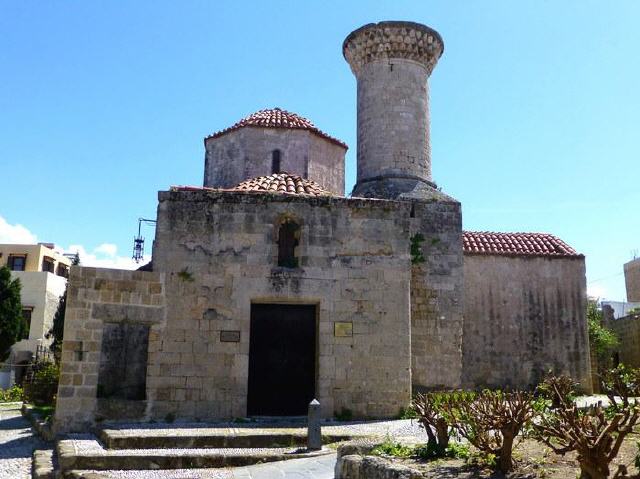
(353, 463)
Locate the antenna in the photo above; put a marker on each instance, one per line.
(138, 241)
(634, 253)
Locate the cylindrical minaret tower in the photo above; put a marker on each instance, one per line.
(392, 62)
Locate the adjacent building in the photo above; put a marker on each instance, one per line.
(43, 274)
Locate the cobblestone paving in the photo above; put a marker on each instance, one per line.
(17, 443)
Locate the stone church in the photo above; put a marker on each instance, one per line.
(270, 287)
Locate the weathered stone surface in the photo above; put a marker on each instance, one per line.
(632, 280)
(247, 153)
(371, 467)
(523, 317)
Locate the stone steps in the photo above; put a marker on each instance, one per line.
(87, 453)
(151, 474)
(222, 438)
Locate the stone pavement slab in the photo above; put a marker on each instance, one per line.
(313, 468)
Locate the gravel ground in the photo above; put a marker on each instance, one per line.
(311, 468)
(400, 427)
(17, 443)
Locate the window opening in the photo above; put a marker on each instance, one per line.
(17, 263)
(275, 161)
(26, 317)
(288, 239)
(48, 264)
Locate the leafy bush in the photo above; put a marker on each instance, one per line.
(594, 433)
(44, 386)
(435, 416)
(491, 421)
(453, 450)
(13, 394)
(344, 414)
(391, 448)
(408, 412)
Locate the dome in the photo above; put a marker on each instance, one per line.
(277, 118)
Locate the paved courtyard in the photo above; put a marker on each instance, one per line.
(17, 443)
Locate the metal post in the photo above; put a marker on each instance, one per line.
(314, 433)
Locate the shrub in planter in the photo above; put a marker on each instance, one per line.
(44, 386)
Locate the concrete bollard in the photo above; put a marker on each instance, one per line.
(314, 432)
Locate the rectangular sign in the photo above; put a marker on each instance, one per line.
(343, 329)
(229, 336)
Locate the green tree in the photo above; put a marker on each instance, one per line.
(56, 332)
(12, 324)
(602, 339)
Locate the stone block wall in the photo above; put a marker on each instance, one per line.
(627, 329)
(436, 295)
(246, 153)
(219, 254)
(97, 296)
(632, 280)
(522, 317)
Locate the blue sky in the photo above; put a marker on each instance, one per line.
(534, 110)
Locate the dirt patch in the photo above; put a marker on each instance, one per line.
(533, 461)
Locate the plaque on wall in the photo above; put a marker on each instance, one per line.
(343, 329)
(229, 336)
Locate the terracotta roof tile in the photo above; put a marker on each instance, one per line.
(283, 183)
(276, 183)
(516, 244)
(277, 118)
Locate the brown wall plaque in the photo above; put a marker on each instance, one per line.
(229, 336)
(343, 329)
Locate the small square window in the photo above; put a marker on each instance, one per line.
(17, 262)
(63, 270)
(48, 264)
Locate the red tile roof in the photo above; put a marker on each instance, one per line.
(277, 118)
(276, 183)
(283, 183)
(516, 244)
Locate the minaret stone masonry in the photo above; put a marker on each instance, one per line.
(392, 62)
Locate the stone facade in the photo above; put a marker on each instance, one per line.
(632, 280)
(96, 297)
(247, 153)
(523, 317)
(391, 300)
(627, 329)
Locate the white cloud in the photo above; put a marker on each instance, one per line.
(107, 249)
(104, 256)
(15, 233)
(597, 291)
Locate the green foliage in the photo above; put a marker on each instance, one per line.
(408, 412)
(12, 325)
(13, 394)
(416, 249)
(601, 339)
(185, 275)
(430, 451)
(391, 448)
(344, 414)
(57, 329)
(483, 459)
(43, 388)
(45, 412)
